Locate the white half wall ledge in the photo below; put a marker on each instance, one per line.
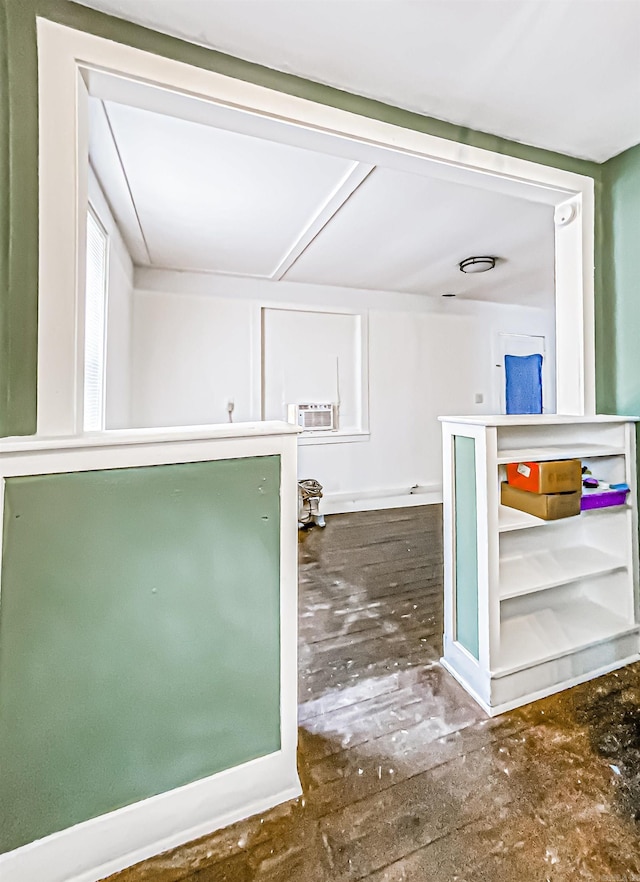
(95, 849)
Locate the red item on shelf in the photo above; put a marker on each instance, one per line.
(558, 476)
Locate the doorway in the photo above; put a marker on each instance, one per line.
(525, 346)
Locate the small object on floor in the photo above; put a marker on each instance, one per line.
(309, 496)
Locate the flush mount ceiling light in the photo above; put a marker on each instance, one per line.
(477, 264)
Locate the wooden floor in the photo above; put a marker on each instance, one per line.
(405, 779)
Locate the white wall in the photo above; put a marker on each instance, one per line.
(191, 355)
(197, 344)
(118, 381)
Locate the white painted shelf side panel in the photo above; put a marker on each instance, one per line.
(540, 570)
(555, 631)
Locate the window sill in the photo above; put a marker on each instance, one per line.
(342, 436)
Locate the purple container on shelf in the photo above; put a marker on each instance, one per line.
(601, 498)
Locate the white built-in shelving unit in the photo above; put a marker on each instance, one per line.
(534, 606)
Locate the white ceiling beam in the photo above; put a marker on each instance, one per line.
(345, 188)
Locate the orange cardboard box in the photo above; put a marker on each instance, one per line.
(559, 476)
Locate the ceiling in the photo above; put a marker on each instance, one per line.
(194, 196)
(558, 74)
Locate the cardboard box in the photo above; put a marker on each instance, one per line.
(560, 476)
(548, 506)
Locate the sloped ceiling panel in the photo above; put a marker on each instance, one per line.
(209, 199)
(407, 233)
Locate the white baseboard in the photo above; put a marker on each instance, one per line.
(109, 843)
(372, 500)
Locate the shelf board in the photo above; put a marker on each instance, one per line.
(514, 519)
(557, 451)
(590, 512)
(541, 570)
(555, 631)
(510, 519)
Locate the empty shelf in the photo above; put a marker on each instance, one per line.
(549, 633)
(527, 573)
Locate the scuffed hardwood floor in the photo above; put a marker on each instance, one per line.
(404, 777)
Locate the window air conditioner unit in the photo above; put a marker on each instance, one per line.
(314, 417)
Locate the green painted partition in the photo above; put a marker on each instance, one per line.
(466, 543)
(139, 635)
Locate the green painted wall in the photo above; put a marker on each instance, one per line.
(466, 544)
(18, 168)
(621, 177)
(139, 635)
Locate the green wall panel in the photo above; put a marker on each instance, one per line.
(19, 169)
(622, 175)
(466, 543)
(139, 635)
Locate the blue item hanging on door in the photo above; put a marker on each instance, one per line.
(523, 376)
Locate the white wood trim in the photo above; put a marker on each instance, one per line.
(543, 419)
(288, 609)
(300, 122)
(256, 361)
(575, 341)
(94, 849)
(361, 346)
(340, 436)
(490, 493)
(380, 498)
(466, 684)
(483, 523)
(101, 208)
(363, 343)
(448, 483)
(119, 437)
(507, 706)
(134, 230)
(62, 52)
(632, 481)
